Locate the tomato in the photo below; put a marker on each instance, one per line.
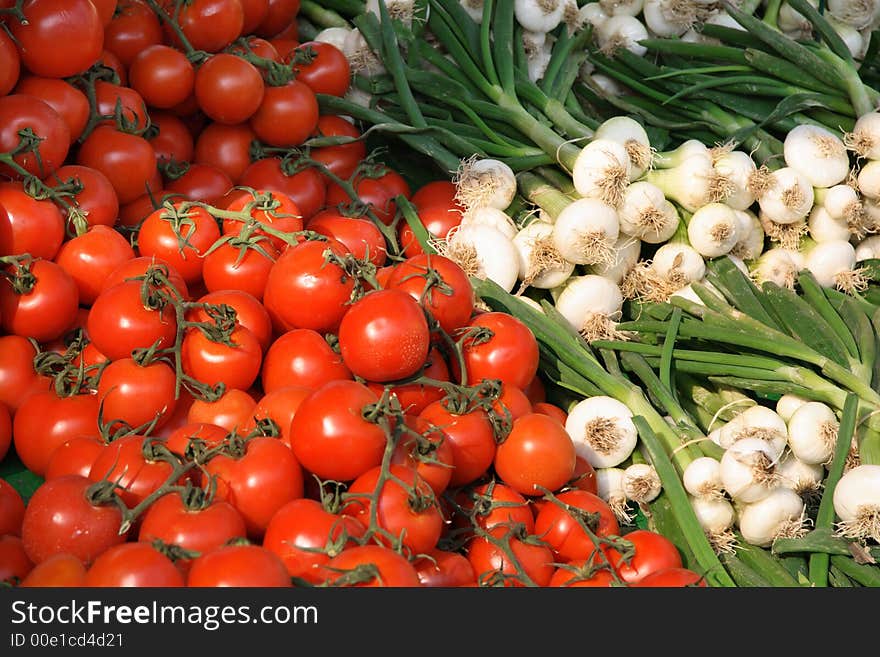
(94, 202)
(171, 141)
(511, 404)
(370, 565)
(489, 505)
(306, 187)
(265, 477)
(472, 438)
(536, 392)
(214, 362)
(510, 354)
(360, 236)
(5, 435)
(18, 379)
(322, 289)
(209, 25)
(11, 509)
(128, 161)
(406, 507)
(20, 112)
(119, 322)
(330, 422)
(306, 536)
(59, 570)
(226, 147)
(204, 183)
(529, 561)
(238, 565)
(57, 48)
(14, 561)
(56, 515)
(47, 310)
(162, 75)
(232, 410)
(180, 237)
(652, 552)
(559, 528)
(70, 103)
(672, 577)
(249, 312)
(133, 565)
(229, 89)
(415, 397)
(10, 64)
(427, 453)
(179, 440)
(239, 267)
(133, 463)
(537, 454)
(341, 160)
(280, 406)
(440, 285)
(134, 28)
(301, 357)
(384, 336)
(255, 12)
(106, 9)
(286, 116)
(28, 225)
(91, 257)
(322, 66)
(118, 103)
(550, 409)
(436, 193)
(378, 195)
(279, 15)
(580, 574)
(137, 395)
(439, 568)
(76, 456)
(111, 61)
(271, 209)
(584, 476)
(196, 528)
(438, 220)
(139, 266)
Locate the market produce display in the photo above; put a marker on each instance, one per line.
(433, 293)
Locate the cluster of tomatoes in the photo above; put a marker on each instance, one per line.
(226, 353)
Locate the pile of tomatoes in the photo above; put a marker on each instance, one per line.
(225, 352)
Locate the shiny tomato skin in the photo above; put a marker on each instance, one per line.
(96, 201)
(210, 25)
(229, 89)
(70, 103)
(306, 187)
(653, 552)
(128, 161)
(214, 362)
(301, 357)
(561, 530)
(172, 142)
(232, 411)
(391, 568)
(59, 570)
(492, 565)
(238, 565)
(361, 236)
(179, 440)
(279, 16)
(440, 568)
(564, 577)
(203, 183)
(270, 209)
(426, 452)
(45, 312)
(60, 519)
(159, 237)
(19, 112)
(672, 578)
(280, 407)
(511, 354)
(324, 67)
(14, 562)
(415, 397)
(76, 456)
(471, 436)
(137, 267)
(536, 456)
(28, 225)
(11, 68)
(136, 475)
(232, 267)
(115, 101)
(286, 116)
(11, 509)
(137, 394)
(255, 12)
(249, 312)
(18, 379)
(343, 159)
(226, 147)
(91, 257)
(132, 29)
(133, 565)
(162, 75)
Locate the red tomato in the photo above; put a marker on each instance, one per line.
(537, 454)
(249, 312)
(138, 267)
(360, 236)
(76, 456)
(301, 357)
(95, 202)
(14, 562)
(213, 362)
(528, 562)
(370, 565)
(128, 161)
(471, 436)
(437, 220)
(672, 577)
(286, 116)
(270, 209)
(44, 312)
(119, 322)
(226, 147)
(259, 481)
(111, 60)
(510, 354)
(415, 397)
(11, 509)
(280, 406)
(209, 25)
(118, 103)
(239, 266)
(384, 336)
(407, 509)
(238, 565)
(425, 452)
(559, 528)
(581, 574)
(28, 225)
(330, 422)
(5, 437)
(172, 142)
(133, 565)
(204, 183)
(341, 160)
(651, 553)
(164, 231)
(322, 289)
(91, 257)
(134, 28)
(279, 15)
(70, 103)
(18, 379)
(137, 395)
(378, 196)
(10, 64)
(133, 464)
(232, 410)
(536, 392)
(306, 187)
(439, 568)
(20, 112)
(59, 570)
(255, 12)
(306, 536)
(56, 512)
(489, 505)
(105, 8)
(57, 48)
(198, 528)
(322, 66)
(229, 89)
(550, 409)
(584, 476)
(440, 285)
(511, 403)
(178, 441)
(162, 75)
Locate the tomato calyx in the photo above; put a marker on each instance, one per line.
(174, 552)
(68, 371)
(276, 74)
(194, 55)
(362, 272)
(360, 574)
(501, 536)
(19, 272)
(172, 169)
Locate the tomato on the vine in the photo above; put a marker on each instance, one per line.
(226, 147)
(91, 257)
(134, 28)
(208, 25)
(305, 186)
(651, 552)
(508, 352)
(238, 565)
(537, 455)
(180, 237)
(301, 357)
(510, 557)
(249, 312)
(136, 394)
(47, 309)
(287, 115)
(557, 523)
(50, 136)
(11, 509)
(138, 465)
(342, 159)
(137, 564)
(162, 75)
(128, 161)
(471, 435)
(322, 66)
(236, 365)
(228, 88)
(370, 565)
(70, 103)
